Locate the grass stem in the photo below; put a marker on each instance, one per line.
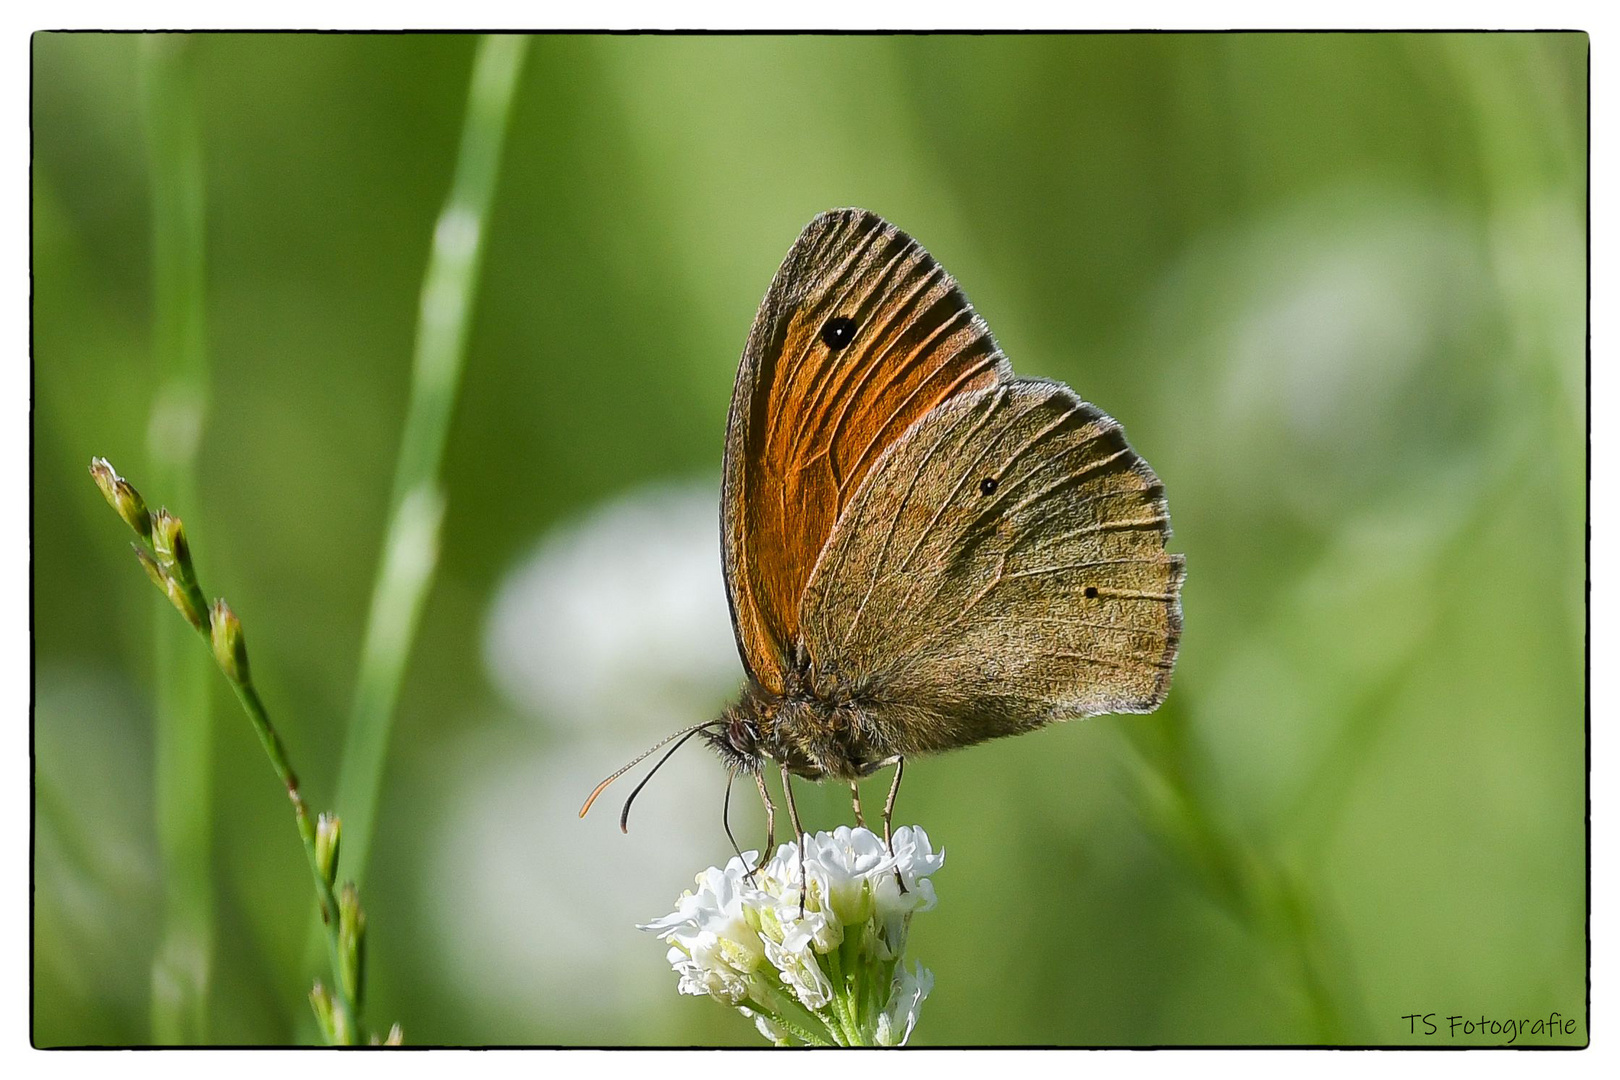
(410, 551)
(164, 552)
(183, 774)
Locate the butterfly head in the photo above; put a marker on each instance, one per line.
(738, 737)
(807, 736)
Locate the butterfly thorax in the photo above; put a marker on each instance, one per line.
(813, 736)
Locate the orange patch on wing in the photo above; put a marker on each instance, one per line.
(821, 410)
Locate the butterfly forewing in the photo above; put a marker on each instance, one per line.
(860, 334)
(1003, 566)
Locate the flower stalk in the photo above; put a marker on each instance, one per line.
(833, 976)
(164, 553)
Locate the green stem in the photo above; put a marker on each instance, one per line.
(784, 1008)
(183, 775)
(799, 1030)
(254, 707)
(259, 717)
(871, 990)
(410, 552)
(1244, 879)
(853, 1035)
(837, 1014)
(165, 555)
(845, 1004)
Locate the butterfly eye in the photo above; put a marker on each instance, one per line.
(988, 486)
(1091, 592)
(838, 332)
(740, 734)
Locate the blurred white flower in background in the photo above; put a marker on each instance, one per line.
(1324, 338)
(612, 633)
(1345, 297)
(620, 618)
(834, 974)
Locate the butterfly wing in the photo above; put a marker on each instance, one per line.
(860, 334)
(1003, 566)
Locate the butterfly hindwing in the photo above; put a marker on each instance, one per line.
(1002, 567)
(860, 334)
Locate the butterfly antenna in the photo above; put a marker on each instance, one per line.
(624, 815)
(633, 762)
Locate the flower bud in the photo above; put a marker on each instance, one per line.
(169, 541)
(396, 1037)
(182, 600)
(328, 831)
(342, 1026)
(122, 497)
(153, 570)
(321, 1002)
(230, 650)
(351, 939)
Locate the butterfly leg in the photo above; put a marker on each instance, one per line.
(770, 820)
(725, 820)
(798, 834)
(855, 797)
(888, 815)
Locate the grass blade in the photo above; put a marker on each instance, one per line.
(410, 552)
(184, 730)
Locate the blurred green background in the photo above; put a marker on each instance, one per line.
(1334, 286)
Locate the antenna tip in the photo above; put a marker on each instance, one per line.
(591, 799)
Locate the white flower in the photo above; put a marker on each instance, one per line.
(766, 1026)
(914, 862)
(915, 859)
(841, 866)
(712, 945)
(905, 1002)
(801, 973)
(831, 973)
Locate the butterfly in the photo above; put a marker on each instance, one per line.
(922, 551)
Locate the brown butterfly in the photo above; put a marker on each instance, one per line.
(922, 551)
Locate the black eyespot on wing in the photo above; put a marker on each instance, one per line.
(838, 332)
(1091, 592)
(988, 485)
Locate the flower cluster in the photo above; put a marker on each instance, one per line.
(836, 974)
